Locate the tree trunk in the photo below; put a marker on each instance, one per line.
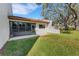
(74, 14)
(75, 26)
(65, 26)
(65, 22)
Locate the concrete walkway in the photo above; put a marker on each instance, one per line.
(22, 37)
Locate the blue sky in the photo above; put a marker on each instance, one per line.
(27, 10)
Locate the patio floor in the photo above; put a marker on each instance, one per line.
(22, 37)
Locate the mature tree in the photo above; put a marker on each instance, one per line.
(74, 9)
(61, 13)
(56, 12)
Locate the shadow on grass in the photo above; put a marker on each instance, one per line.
(18, 47)
(66, 31)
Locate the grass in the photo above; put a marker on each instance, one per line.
(18, 47)
(57, 45)
(64, 44)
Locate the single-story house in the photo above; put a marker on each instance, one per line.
(20, 26)
(12, 26)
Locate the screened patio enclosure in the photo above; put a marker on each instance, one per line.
(21, 28)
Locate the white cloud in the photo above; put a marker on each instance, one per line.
(23, 9)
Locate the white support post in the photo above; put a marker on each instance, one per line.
(37, 25)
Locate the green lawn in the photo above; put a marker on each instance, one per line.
(18, 47)
(64, 44)
(56, 45)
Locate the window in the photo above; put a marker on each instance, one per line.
(33, 27)
(28, 26)
(21, 26)
(41, 26)
(14, 26)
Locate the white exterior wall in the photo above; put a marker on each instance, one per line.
(47, 30)
(4, 23)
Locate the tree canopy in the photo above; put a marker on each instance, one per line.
(60, 12)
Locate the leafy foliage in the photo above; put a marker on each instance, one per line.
(62, 13)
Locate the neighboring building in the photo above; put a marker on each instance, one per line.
(5, 11)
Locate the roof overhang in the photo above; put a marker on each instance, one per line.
(16, 18)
